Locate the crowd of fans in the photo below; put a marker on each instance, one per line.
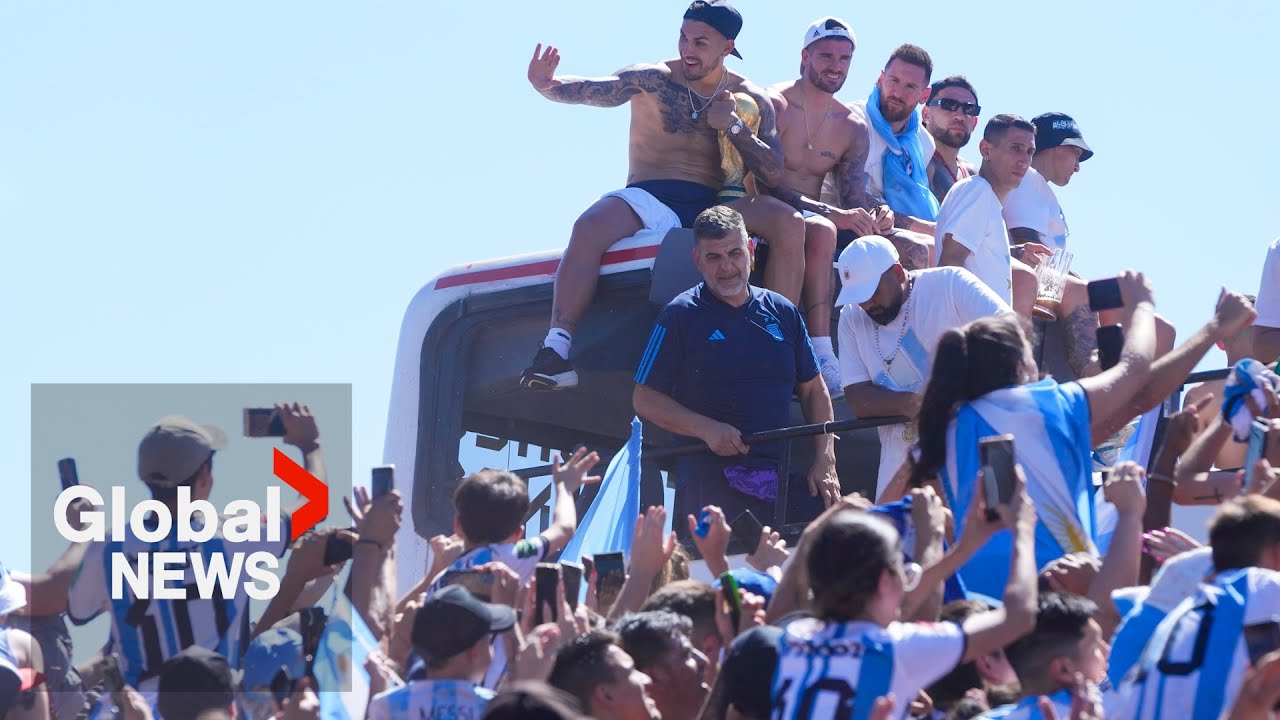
(1064, 595)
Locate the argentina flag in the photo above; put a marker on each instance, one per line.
(343, 682)
(608, 524)
(1050, 425)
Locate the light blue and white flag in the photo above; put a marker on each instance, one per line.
(1050, 425)
(339, 662)
(610, 522)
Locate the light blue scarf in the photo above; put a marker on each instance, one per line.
(906, 184)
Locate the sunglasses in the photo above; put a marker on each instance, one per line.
(970, 109)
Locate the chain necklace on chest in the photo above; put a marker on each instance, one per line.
(902, 332)
(805, 109)
(693, 114)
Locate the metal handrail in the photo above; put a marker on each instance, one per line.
(785, 434)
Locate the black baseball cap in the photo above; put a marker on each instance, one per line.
(453, 620)
(195, 680)
(720, 15)
(1056, 129)
(748, 670)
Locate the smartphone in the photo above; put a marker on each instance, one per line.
(67, 473)
(1110, 345)
(337, 548)
(731, 596)
(1257, 449)
(611, 572)
(545, 605)
(311, 624)
(747, 527)
(112, 678)
(263, 422)
(1260, 639)
(1105, 295)
(382, 480)
(996, 455)
(571, 573)
(476, 582)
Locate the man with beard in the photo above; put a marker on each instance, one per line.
(679, 110)
(890, 323)
(899, 147)
(950, 116)
(819, 136)
(723, 361)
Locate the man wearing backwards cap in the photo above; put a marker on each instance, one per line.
(819, 136)
(177, 452)
(1031, 210)
(23, 693)
(452, 632)
(890, 323)
(679, 110)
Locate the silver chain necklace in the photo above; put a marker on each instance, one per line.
(902, 332)
(724, 75)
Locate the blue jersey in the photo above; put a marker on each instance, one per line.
(1195, 662)
(832, 669)
(1052, 441)
(147, 632)
(431, 700)
(736, 365)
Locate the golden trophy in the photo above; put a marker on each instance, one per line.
(735, 170)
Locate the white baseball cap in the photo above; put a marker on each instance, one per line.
(13, 595)
(861, 265)
(826, 27)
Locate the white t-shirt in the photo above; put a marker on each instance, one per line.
(874, 166)
(1269, 291)
(1196, 659)
(828, 670)
(940, 299)
(1034, 205)
(972, 215)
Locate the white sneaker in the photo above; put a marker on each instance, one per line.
(830, 370)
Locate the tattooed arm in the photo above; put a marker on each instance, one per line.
(851, 171)
(762, 151)
(800, 201)
(597, 92)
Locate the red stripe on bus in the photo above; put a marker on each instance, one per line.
(542, 267)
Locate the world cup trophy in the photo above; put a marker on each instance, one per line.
(735, 170)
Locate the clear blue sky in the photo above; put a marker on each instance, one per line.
(252, 192)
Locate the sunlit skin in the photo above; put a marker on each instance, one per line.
(825, 63)
(702, 51)
(627, 698)
(1006, 160)
(950, 128)
(1058, 164)
(725, 265)
(903, 86)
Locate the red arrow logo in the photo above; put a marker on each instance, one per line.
(315, 492)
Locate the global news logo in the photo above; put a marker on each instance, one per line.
(161, 574)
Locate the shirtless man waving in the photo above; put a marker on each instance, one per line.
(678, 109)
(821, 135)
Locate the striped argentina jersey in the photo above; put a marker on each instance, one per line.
(1196, 660)
(837, 670)
(146, 633)
(431, 700)
(1052, 443)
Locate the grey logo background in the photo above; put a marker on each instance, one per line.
(100, 426)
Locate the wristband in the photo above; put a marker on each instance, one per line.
(1161, 477)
